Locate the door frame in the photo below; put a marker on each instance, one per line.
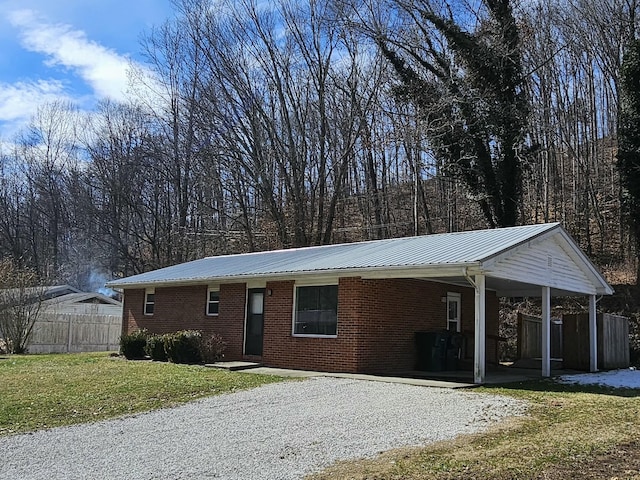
(457, 298)
(251, 289)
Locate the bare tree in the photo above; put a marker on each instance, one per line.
(466, 68)
(20, 302)
(573, 53)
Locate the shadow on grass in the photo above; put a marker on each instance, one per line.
(550, 385)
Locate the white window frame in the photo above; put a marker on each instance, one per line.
(147, 292)
(455, 297)
(209, 302)
(295, 305)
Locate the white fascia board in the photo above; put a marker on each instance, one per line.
(430, 271)
(537, 293)
(434, 271)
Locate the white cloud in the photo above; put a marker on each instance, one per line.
(102, 68)
(20, 101)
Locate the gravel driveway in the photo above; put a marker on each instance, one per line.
(278, 431)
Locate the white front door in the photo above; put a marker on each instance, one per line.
(453, 311)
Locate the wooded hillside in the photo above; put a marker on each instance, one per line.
(263, 125)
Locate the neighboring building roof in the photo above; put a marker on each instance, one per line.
(82, 297)
(44, 292)
(422, 256)
(53, 291)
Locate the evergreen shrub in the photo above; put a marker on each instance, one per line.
(132, 345)
(184, 346)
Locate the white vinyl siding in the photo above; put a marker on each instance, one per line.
(545, 263)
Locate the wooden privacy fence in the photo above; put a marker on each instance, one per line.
(613, 341)
(530, 337)
(58, 333)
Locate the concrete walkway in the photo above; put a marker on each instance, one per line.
(423, 382)
(452, 379)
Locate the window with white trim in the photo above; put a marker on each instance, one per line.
(316, 310)
(213, 301)
(453, 311)
(149, 301)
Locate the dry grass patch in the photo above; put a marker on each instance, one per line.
(566, 428)
(42, 391)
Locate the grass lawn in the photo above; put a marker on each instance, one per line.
(41, 391)
(570, 432)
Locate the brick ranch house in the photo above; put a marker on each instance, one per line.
(357, 307)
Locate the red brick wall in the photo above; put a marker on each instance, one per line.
(184, 308)
(377, 321)
(133, 301)
(230, 321)
(394, 309)
(282, 349)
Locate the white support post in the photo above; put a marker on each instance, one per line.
(593, 335)
(546, 332)
(479, 356)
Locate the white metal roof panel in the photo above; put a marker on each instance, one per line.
(460, 248)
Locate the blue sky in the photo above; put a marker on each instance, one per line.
(76, 50)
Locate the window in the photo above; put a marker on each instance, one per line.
(453, 312)
(213, 302)
(149, 301)
(316, 311)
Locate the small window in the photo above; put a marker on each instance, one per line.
(316, 311)
(149, 302)
(213, 302)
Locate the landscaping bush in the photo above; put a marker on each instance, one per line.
(212, 348)
(132, 345)
(155, 348)
(184, 346)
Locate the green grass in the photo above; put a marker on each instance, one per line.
(566, 426)
(42, 391)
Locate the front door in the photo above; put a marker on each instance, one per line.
(453, 312)
(255, 322)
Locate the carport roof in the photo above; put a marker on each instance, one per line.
(426, 256)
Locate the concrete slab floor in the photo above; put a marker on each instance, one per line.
(446, 379)
(283, 372)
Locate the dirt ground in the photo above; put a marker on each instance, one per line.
(621, 464)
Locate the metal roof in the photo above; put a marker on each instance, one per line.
(82, 297)
(449, 249)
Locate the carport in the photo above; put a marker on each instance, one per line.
(540, 261)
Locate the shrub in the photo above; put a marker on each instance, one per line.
(184, 346)
(155, 348)
(212, 348)
(132, 345)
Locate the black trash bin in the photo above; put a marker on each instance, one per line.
(431, 351)
(451, 362)
(454, 347)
